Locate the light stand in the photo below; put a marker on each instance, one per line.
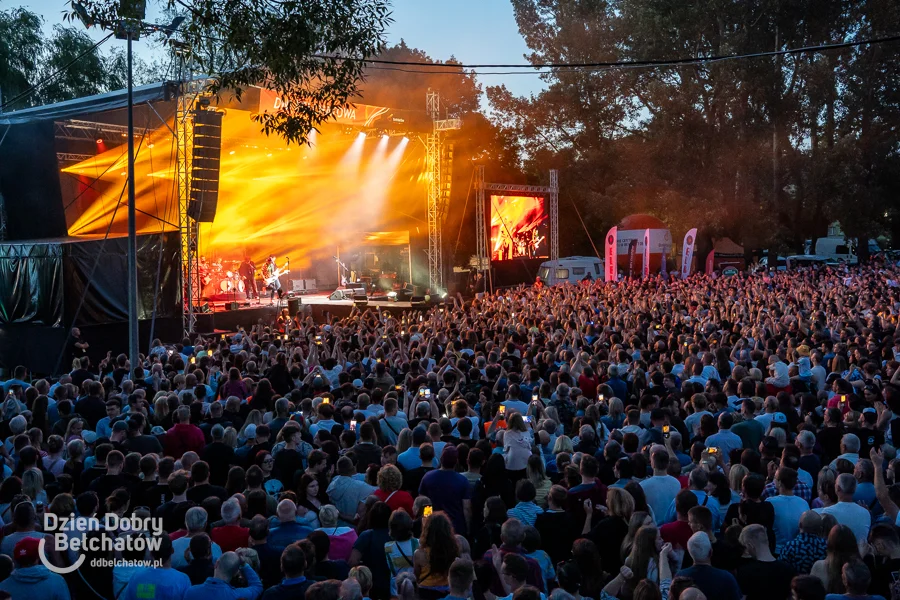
(128, 27)
(133, 334)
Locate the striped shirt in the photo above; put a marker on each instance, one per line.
(526, 512)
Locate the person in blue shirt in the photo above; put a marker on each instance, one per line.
(219, 587)
(288, 529)
(698, 480)
(619, 387)
(18, 378)
(158, 583)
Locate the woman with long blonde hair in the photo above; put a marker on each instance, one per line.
(644, 555)
(33, 486)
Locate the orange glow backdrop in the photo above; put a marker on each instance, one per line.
(297, 201)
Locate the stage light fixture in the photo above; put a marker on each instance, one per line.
(99, 141)
(405, 139)
(150, 145)
(362, 134)
(232, 152)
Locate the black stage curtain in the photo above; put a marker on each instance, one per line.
(105, 300)
(29, 182)
(31, 283)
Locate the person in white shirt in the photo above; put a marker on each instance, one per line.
(847, 512)
(818, 372)
(692, 422)
(788, 507)
(849, 450)
(771, 407)
(662, 488)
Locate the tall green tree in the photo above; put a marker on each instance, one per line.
(21, 45)
(93, 73)
(767, 150)
(298, 48)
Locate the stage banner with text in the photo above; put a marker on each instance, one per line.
(612, 273)
(687, 253)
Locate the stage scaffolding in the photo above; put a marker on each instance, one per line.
(189, 92)
(482, 254)
(438, 159)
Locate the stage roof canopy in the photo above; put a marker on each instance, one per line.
(152, 92)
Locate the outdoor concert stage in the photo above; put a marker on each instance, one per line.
(318, 306)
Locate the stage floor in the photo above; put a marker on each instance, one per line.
(249, 313)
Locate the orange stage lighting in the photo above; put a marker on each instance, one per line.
(301, 201)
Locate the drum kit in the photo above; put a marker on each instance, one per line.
(220, 278)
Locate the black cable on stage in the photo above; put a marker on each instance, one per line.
(55, 74)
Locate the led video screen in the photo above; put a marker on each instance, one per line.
(520, 227)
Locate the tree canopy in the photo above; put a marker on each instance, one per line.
(765, 150)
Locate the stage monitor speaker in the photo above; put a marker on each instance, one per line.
(341, 294)
(205, 166)
(361, 301)
(417, 301)
(293, 306)
(356, 285)
(232, 305)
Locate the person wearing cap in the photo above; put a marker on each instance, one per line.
(31, 579)
(449, 491)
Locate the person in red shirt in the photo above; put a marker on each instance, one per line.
(679, 531)
(183, 436)
(389, 483)
(588, 382)
(231, 535)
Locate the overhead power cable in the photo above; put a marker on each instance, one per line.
(457, 68)
(54, 75)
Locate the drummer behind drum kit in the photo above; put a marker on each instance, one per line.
(232, 282)
(219, 279)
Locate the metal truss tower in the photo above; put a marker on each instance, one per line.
(481, 233)
(188, 92)
(433, 164)
(554, 215)
(439, 169)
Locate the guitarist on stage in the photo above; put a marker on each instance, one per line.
(271, 273)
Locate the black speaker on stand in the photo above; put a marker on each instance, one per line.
(205, 166)
(293, 306)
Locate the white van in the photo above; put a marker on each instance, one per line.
(571, 269)
(842, 249)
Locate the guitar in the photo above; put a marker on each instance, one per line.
(275, 274)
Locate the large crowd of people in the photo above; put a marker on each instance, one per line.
(719, 437)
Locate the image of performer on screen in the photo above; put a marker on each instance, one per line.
(247, 271)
